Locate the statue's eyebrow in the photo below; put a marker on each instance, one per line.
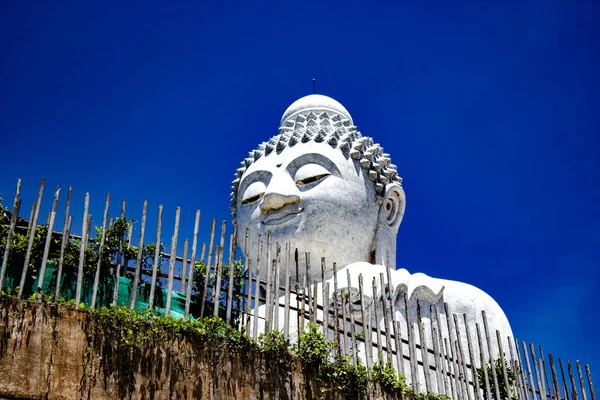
(313, 158)
(256, 176)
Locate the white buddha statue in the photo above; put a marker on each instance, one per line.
(326, 189)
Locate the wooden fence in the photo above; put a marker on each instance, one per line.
(436, 351)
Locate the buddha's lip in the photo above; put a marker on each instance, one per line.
(281, 216)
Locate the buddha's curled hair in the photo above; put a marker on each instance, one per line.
(336, 131)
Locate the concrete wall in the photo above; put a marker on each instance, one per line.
(52, 352)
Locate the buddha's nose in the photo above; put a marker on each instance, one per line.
(279, 194)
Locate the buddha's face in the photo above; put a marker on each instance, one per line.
(312, 196)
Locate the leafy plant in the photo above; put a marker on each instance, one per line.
(503, 390)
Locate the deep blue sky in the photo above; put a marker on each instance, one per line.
(489, 111)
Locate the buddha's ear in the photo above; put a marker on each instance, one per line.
(392, 208)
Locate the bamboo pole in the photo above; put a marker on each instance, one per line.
(445, 356)
(564, 381)
(377, 331)
(336, 322)
(346, 348)
(51, 221)
(63, 245)
(188, 294)
(257, 291)
(538, 369)
(100, 252)
(352, 322)
(297, 289)
(219, 269)
(461, 354)
(13, 223)
(573, 386)
(119, 253)
(523, 373)
(208, 266)
(268, 286)
(248, 270)
(453, 353)
(30, 221)
(155, 266)
(589, 378)
(472, 360)
(454, 379)
(504, 372)
(232, 247)
(583, 391)
(82, 251)
(483, 362)
(326, 308)
(366, 332)
(396, 332)
(307, 293)
(172, 256)
(545, 377)
(492, 363)
(542, 386)
(424, 353)
(184, 265)
(386, 320)
(554, 376)
(314, 302)
(31, 238)
(529, 369)
(140, 253)
(324, 300)
(441, 389)
(276, 287)
(516, 368)
(288, 282)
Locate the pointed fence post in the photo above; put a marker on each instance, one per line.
(564, 381)
(583, 391)
(84, 230)
(155, 265)
(232, 248)
(184, 262)
(589, 378)
(208, 266)
(13, 224)
(286, 311)
(140, 253)
(31, 238)
(119, 254)
(554, 376)
(51, 221)
(352, 322)
(488, 390)
(396, 332)
(217, 293)
(172, 259)
(188, 296)
(492, 361)
(257, 291)
(100, 252)
(65, 239)
(573, 386)
(504, 372)
(276, 287)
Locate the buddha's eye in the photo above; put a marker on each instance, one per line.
(310, 173)
(253, 193)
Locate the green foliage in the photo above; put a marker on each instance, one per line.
(387, 377)
(512, 378)
(238, 288)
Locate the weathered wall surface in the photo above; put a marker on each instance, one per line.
(48, 351)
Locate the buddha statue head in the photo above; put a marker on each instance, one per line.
(322, 187)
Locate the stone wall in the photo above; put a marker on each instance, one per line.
(52, 352)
